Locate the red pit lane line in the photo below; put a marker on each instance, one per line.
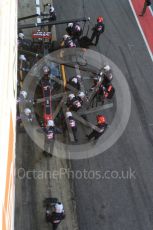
(145, 23)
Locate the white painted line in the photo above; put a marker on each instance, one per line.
(38, 10)
(143, 35)
(150, 8)
(37, 2)
(38, 20)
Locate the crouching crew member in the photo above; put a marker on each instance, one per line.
(81, 97)
(67, 42)
(102, 125)
(50, 131)
(107, 75)
(22, 96)
(74, 30)
(75, 82)
(72, 124)
(56, 216)
(106, 82)
(73, 103)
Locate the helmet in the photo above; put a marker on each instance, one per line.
(65, 37)
(71, 96)
(75, 80)
(101, 119)
(46, 69)
(50, 123)
(23, 94)
(59, 207)
(77, 28)
(27, 111)
(70, 25)
(100, 19)
(81, 94)
(21, 35)
(68, 114)
(22, 58)
(108, 76)
(101, 73)
(78, 76)
(107, 68)
(52, 9)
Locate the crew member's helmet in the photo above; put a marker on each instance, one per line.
(77, 28)
(68, 114)
(71, 96)
(107, 68)
(101, 119)
(75, 80)
(81, 95)
(27, 111)
(23, 94)
(59, 207)
(46, 70)
(78, 76)
(50, 123)
(65, 37)
(22, 57)
(21, 35)
(100, 19)
(51, 9)
(70, 25)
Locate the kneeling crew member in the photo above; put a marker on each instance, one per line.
(102, 125)
(57, 215)
(74, 30)
(107, 75)
(68, 42)
(72, 124)
(75, 82)
(73, 103)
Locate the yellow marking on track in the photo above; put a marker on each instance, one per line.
(63, 75)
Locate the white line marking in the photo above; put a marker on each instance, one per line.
(37, 2)
(151, 10)
(38, 10)
(143, 35)
(38, 20)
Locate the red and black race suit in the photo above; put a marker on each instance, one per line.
(99, 28)
(109, 92)
(47, 106)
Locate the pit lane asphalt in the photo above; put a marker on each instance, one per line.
(114, 204)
